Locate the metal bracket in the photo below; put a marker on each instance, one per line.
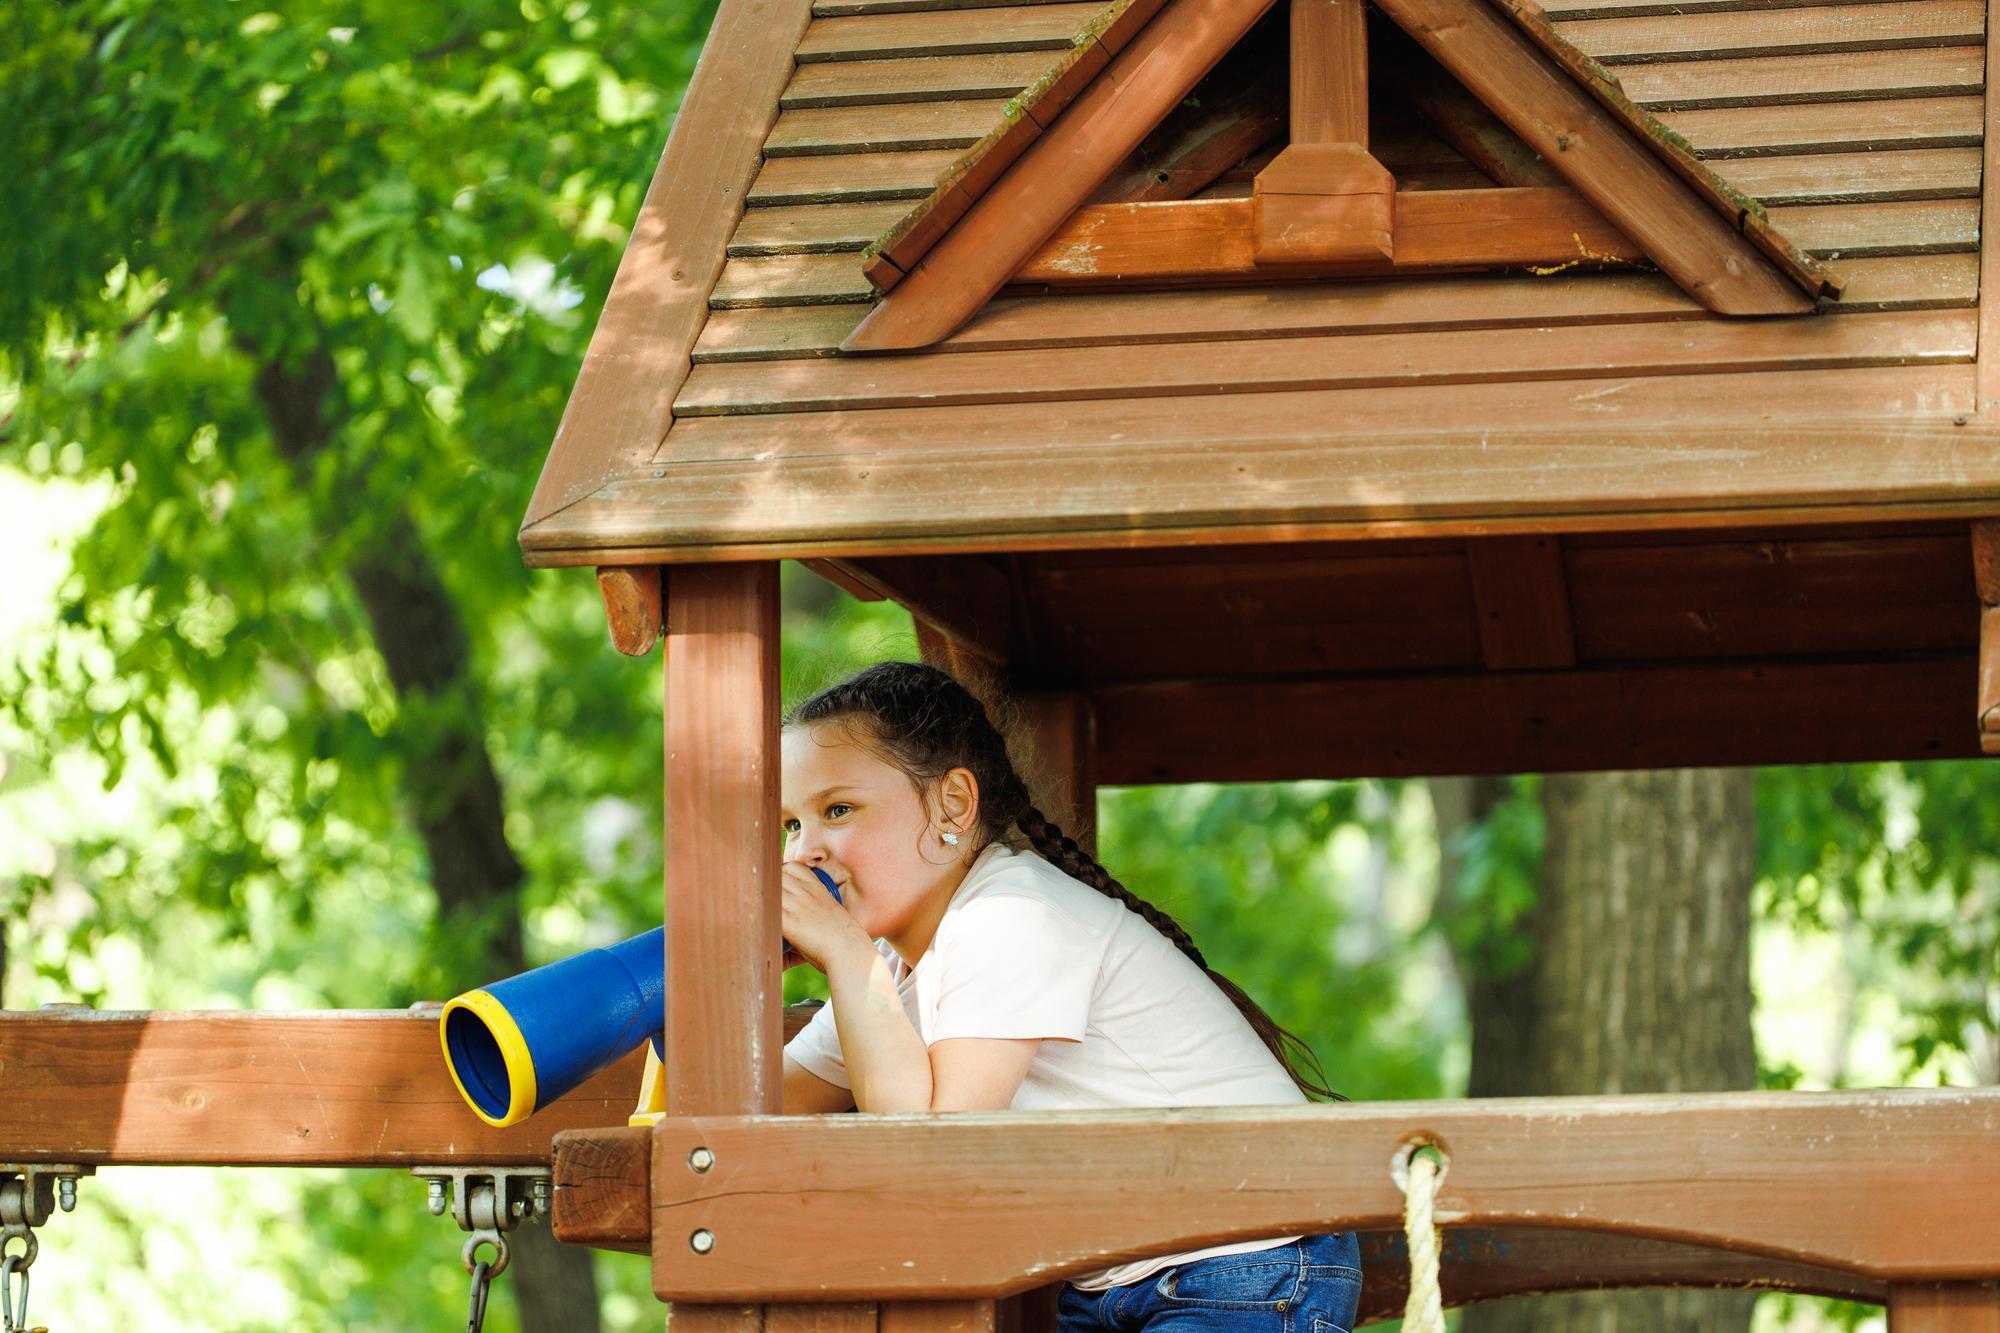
(29, 1193)
(487, 1201)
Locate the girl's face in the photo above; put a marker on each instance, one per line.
(865, 823)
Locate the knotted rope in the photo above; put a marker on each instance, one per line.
(1424, 1311)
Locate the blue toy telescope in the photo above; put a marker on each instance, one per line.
(517, 1045)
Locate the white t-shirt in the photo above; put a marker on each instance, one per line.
(1126, 1019)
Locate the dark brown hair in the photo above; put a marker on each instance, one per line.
(924, 722)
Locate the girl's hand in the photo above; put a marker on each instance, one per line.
(818, 928)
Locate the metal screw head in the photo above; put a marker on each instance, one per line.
(700, 1160)
(702, 1241)
(66, 1193)
(437, 1197)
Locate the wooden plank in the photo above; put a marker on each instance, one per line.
(1063, 1193)
(976, 1316)
(1058, 736)
(1794, 79)
(1521, 600)
(1237, 108)
(966, 598)
(619, 407)
(1603, 9)
(1599, 156)
(856, 178)
(356, 1087)
(791, 280)
(1459, 118)
(1731, 713)
(1813, 30)
(1850, 230)
(821, 1319)
(1070, 374)
(913, 79)
(1824, 178)
(1986, 693)
(836, 8)
(904, 34)
(1056, 173)
(1329, 71)
(811, 228)
(631, 596)
(1989, 270)
(896, 128)
(1831, 127)
(1949, 1307)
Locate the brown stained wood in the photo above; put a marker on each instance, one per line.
(849, 179)
(811, 228)
(1850, 230)
(820, 1319)
(1819, 178)
(1463, 121)
(1567, 455)
(967, 599)
(1056, 174)
(1036, 27)
(1988, 389)
(631, 596)
(982, 673)
(913, 79)
(619, 407)
(336, 1088)
(1602, 9)
(1541, 722)
(1986, 560)
(790, 280)
(1070, 374)
(1599, 156)
(1057, 743)
(976, 1316)
(1948, 1307)
(1329, 72)
(901, 127)
(1987, 691)
(1062, 1193)
(1794, 79)
(1832, 127)
(1236, 109)
(1814, 29)
(1520, 597)
(1321, 203)
(837, 8)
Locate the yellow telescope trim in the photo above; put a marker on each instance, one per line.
(478, 1034)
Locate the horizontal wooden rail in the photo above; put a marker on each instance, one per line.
(1895, 1186)
(350, 1087)
(603, 1191)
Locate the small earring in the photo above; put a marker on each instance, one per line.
(949, 837)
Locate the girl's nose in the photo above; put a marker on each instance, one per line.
(805, 849)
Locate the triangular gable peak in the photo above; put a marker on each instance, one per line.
(1584, 171)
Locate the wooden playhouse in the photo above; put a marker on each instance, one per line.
(1441, 387)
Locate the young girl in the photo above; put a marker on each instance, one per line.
(981, 960)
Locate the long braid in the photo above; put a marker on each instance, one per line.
(927, 723)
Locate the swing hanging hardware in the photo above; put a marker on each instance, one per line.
(486, 1202)
(30, 1192)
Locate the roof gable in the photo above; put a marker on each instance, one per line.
(996, 206)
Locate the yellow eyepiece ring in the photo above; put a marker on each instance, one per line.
(513, 1053)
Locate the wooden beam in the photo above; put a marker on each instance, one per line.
(632, 606)
(1202, 240)
(620, 408)
(352, 1087)
(1534, 722)
(722, 845)
(1236, 110)
(1059, 735)
(1589, 147)
(1521, 597)
(1459, 118)
(1479, 1263)
(966, 598)
(1989, 255)
(1986, 578)
(1948, 1307)
(1014, 1199)
(1056, 173)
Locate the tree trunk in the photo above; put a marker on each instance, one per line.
(449, 784)
(1640, 982)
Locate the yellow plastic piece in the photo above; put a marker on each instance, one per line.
(513, 1051)
(652, 1107)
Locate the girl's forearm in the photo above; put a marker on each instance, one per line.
(888, 1066)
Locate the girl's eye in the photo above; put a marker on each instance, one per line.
(791, 826)
(837, 809)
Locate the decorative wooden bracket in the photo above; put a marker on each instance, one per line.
(1325, 199)
(632, 605)
(1986, 575)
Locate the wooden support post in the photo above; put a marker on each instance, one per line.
(1059, 735)
(1945, 1307)
(632, 605)
(722, 847)
(1325, 198)
(1986, 575)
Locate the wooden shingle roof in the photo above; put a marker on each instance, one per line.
(714, 419)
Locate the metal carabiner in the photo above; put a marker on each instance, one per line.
(13, 1311)
(481, 1276)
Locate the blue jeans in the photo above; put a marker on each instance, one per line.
(1310, 1286)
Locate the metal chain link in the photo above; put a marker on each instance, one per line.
(13, 1310)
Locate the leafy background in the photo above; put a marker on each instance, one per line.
(213, 785)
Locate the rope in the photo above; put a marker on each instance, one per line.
(1424, 1312)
